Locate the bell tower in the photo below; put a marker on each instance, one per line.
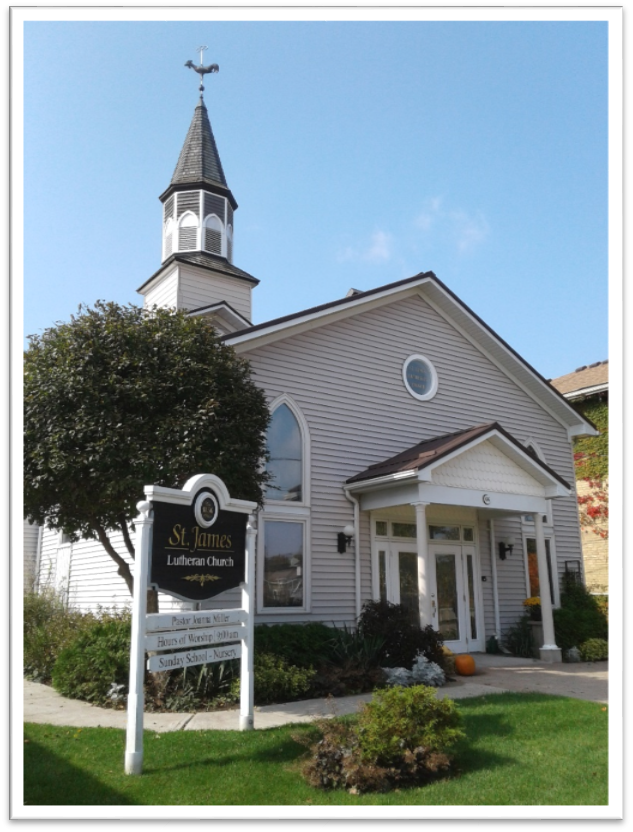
(197, 271)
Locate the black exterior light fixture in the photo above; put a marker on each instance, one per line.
(506, 548)
(345, 539)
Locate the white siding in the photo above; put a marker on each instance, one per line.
(347, 379)
(199, 287)
(31, 537)
(486, 467)
(93, 578)
(165, 292)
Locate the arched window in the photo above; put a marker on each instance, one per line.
(188, 233)
(213, 232)
(285, 463)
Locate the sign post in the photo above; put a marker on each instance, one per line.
(136, 696)
(192, 544)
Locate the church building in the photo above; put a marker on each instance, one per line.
(416, 457)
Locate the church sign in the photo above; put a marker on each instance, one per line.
(193, 544)
(198, 549)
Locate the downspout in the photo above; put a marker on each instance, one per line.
(354, 501)
(495, 591)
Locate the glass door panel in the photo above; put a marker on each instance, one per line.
(382, 574)
(408, 569)
(470, 582)
(447, 596)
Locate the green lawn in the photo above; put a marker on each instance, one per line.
(521, 749)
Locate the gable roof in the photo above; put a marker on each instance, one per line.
(585, 381)
(428, 286)
(434, 450)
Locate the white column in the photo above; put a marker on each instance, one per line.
(495, 583)
(426, 590)
(136, 697)
(247, 678)
(549, 652)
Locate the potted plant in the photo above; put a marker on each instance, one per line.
(533, 607)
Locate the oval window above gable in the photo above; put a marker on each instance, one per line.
(285, 463)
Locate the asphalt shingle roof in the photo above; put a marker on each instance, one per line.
(199, 160)
(432, 450)
(583, 378)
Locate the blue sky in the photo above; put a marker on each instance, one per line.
(359, 154)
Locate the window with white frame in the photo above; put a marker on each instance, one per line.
(188, 233)
(283, 547)
(213, 234)
(534, 584)
(285, 456)
(284, 563)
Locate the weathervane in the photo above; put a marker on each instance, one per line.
(202, 70)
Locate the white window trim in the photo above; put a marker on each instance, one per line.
(221, 229)
(180, 224)
(305, 443)
(287, 515)
(434, 379)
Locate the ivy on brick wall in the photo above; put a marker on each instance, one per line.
(591, 453)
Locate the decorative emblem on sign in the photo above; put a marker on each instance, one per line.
(201, 579)
(486, 500)
(206, 509)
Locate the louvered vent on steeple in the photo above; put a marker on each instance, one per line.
(168, 209)
(189, 201)
(214, 205)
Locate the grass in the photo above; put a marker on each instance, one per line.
(521, 749)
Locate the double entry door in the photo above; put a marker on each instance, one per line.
(453, 577)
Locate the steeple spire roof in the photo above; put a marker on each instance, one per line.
(199, 161)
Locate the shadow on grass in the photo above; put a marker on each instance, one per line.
(50, 780)
(281, 750)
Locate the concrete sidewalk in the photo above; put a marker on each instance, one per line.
(495, 674)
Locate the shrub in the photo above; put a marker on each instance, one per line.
(278, 681)
(400, 738)
(193, 688)
(303, 645)
(402, 639)
(518, 638)
(49, 627)
(353, 665)
(95, 661)
(579, 617)
(407, 718)
(594, 650)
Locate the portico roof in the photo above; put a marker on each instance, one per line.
(431, 451)
(482, 466)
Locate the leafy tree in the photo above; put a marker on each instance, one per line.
(120, 398)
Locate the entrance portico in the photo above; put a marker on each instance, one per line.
(481, 470)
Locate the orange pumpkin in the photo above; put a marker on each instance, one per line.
(464, 664)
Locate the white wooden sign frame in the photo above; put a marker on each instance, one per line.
(207, 623)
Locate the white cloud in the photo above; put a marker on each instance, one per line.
(379, 250)
(430, 214)
(467, 230)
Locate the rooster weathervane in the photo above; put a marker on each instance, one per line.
(202, 70)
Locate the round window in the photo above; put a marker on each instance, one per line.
(420, 377)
